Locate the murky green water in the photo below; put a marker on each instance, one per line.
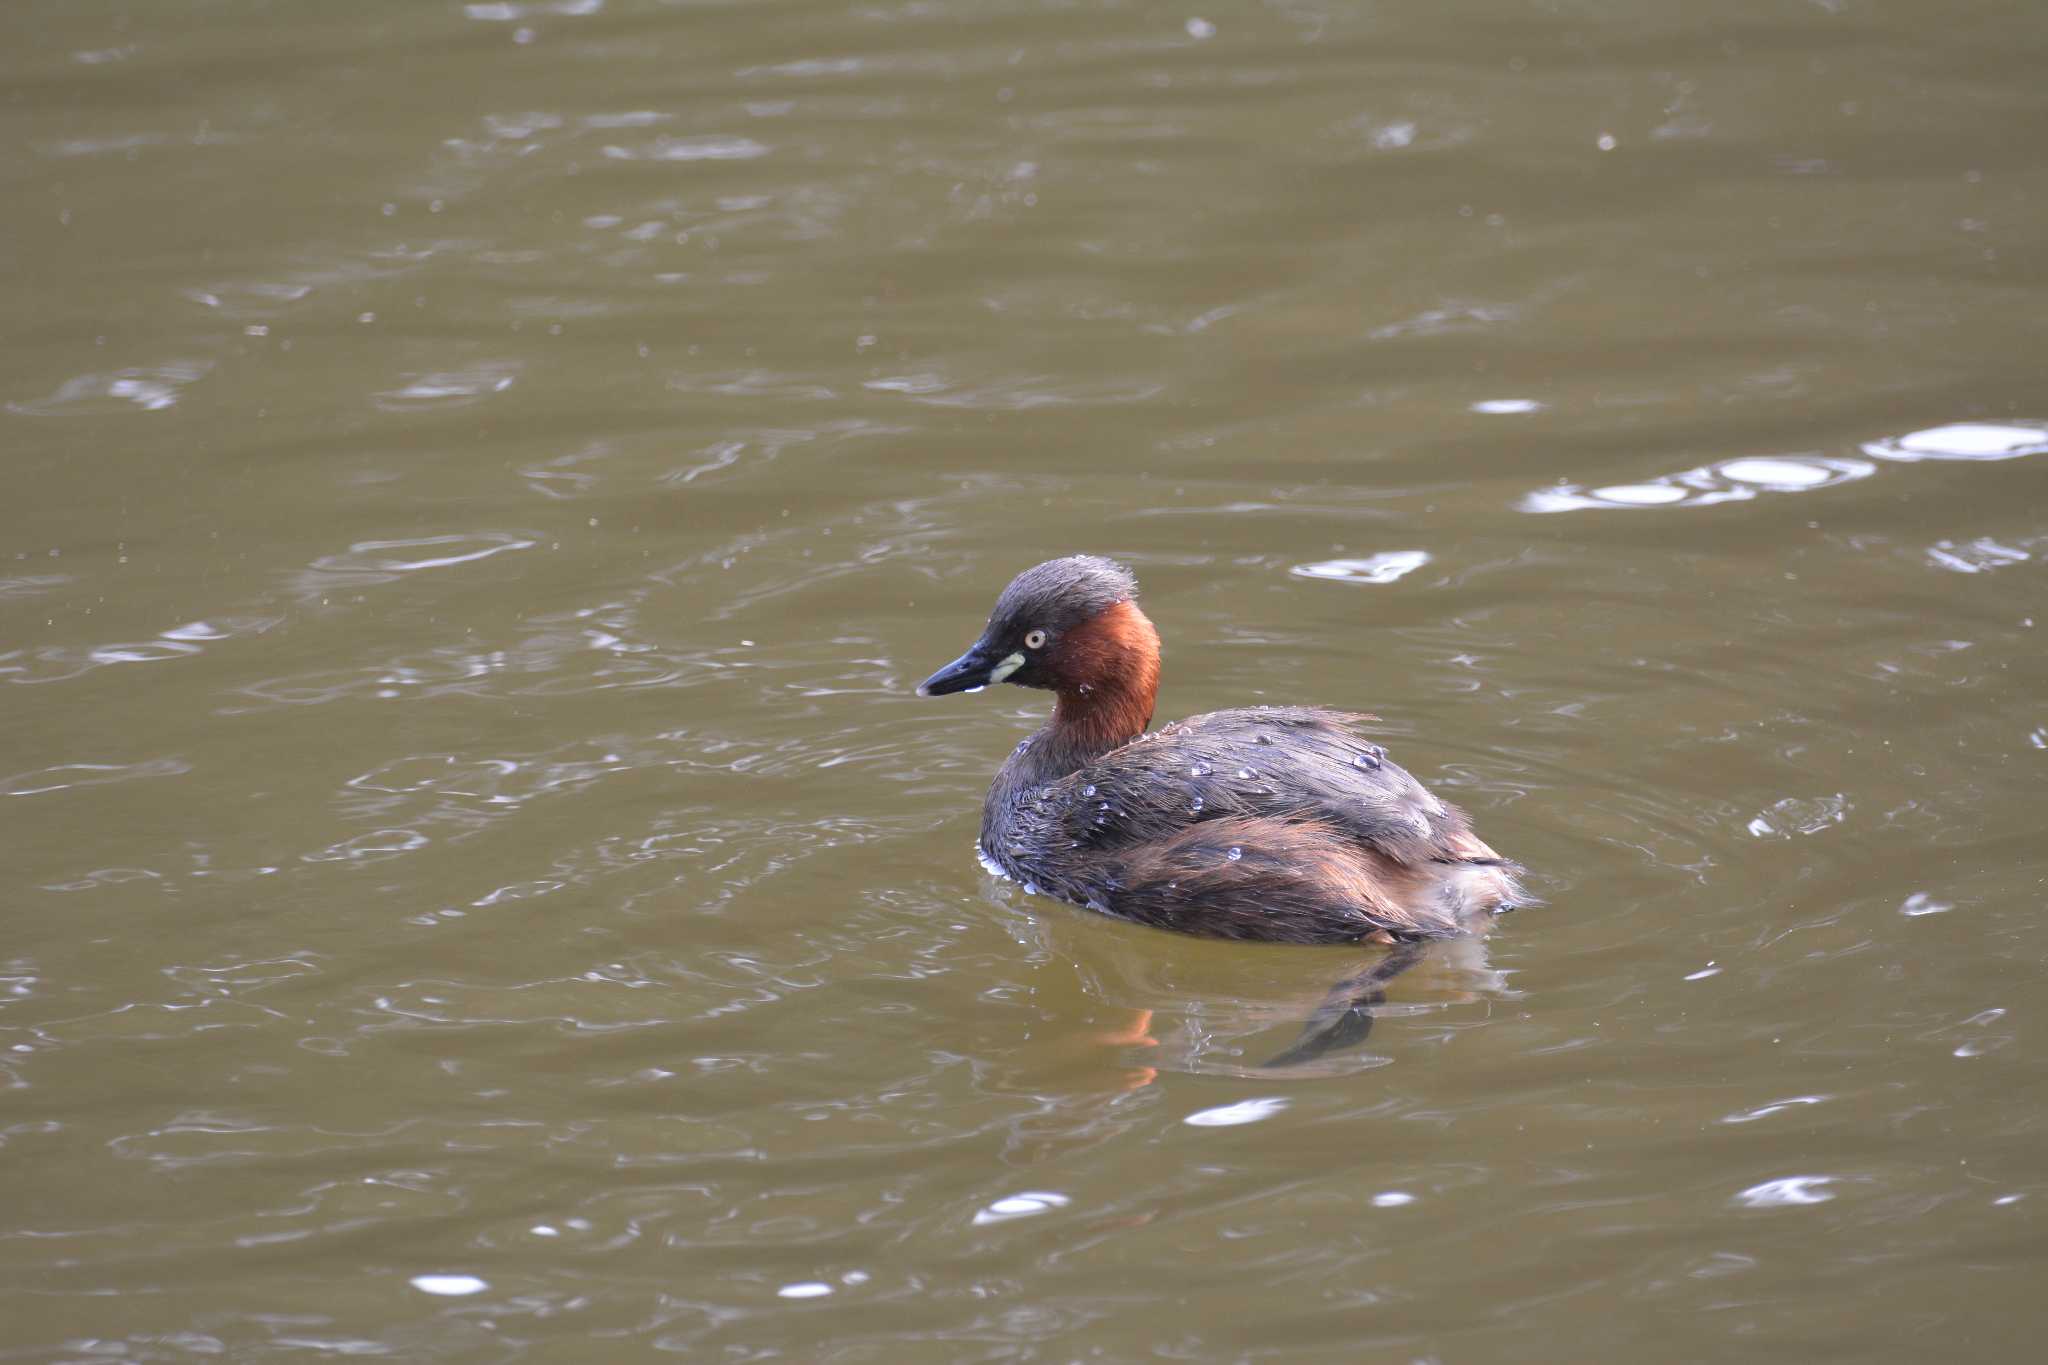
(483, 480)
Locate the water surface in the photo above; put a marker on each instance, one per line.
(486, 478)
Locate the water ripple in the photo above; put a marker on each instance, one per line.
(61, 662)
(369, 562)
(65, 776)
(1981, 555)
(31, 584)
(370, 555)
(1964, 441)
(458, 1285)
(378, 844)
(152, 388)
(1791, 1191)
(1744, 477)
(1735, 480)
(1384, 567)
(1764, 1111)
(1448, 320)
(143, 652)
(450, 388)
(1029, 1204)
(258, 298)
(1232, 1115)
(710, 147)
(1800, 815)
(505, 12)
(1020, 394)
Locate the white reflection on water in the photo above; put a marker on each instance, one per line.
(1977, 556)
(1736, 480)
(1785, 475)
(32, 584)
(1029, 1204)
(1638, 494)
(1793, 1189)
(242, 299)
(56, 663)
(1231, 1115)
(499, 12)
(630, 118)
(369, 562)
(152, 388)
(922, 382)
(148, 651)
(1800, 815)
(1384, 567)
(1460, 317)
(449, 388)
(711, 148)
(444, 773)
(195, 630)
(65, 776)
(1014, 394)
(1964, 441)
(367, 554)
(456, 1285)
(376, 844)
(518, 127)
(1744, 477)
(1764, 1111)
(1980, 1042)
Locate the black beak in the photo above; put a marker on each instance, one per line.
(967, 673)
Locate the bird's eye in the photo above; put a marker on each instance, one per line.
(1035, 640)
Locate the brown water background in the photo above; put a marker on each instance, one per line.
(482, 481)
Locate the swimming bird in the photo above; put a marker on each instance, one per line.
(1277, 823)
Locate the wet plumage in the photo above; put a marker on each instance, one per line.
(1274, 823)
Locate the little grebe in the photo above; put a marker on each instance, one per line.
(1283, 823)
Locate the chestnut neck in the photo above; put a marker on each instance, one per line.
(1109, 681)
(1106, 681)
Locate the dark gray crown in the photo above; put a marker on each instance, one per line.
(1061, 593)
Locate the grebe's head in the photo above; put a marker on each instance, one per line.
(1069, 625)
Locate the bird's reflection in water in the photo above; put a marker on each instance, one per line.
(1165, 1002)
